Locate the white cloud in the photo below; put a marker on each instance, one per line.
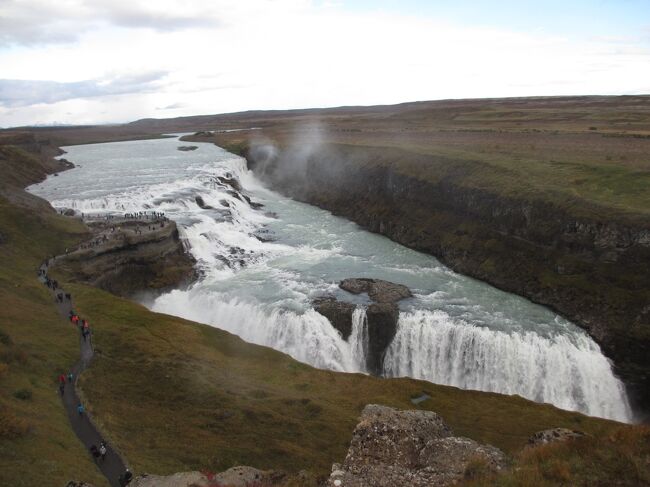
(261, 54)
(18, 93)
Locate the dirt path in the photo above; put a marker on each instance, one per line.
(112, 466)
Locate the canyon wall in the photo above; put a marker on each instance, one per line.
(588, 264)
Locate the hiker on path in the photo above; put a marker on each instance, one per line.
(80, 409)
(70, 377)
(102, 450)
(94, 451)
(125, 478)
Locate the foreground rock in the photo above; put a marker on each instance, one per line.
(416, 448)
(125, 257)
(382, 315)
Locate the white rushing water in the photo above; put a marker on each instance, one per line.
(262, 267)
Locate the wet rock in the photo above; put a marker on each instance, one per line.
(264, 235)
(78, 483)
(68, 212)
(199, 201)
(338, 313)
(382, 327)
(232, 182)
(378, 290)
(553, 435)
(390, 447)
(224, 203)
(187, 148)
(255, 205)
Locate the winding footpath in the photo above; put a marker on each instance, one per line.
(112, 466)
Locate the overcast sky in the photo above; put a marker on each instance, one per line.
(76, 61)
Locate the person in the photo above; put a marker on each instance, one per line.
(62, 388)
(125, 478)
(80, 409)
(62, 379)
(102, 449)
(84, 333)
(94, 451)
(70, 377)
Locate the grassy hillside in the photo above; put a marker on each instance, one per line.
(37, 446)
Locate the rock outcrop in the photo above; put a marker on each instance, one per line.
(338, 313)
(554, 435)
(136, 256)
(390, 447)
(382, 315)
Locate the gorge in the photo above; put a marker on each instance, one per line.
(263, 258)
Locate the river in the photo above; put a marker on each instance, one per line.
(262, 267)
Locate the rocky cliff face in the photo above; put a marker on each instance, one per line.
(593, 269)
(390, 447)
(125, 257)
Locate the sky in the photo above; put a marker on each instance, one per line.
(112, 61)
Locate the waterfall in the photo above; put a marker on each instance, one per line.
(359, 338)
(568, 371)
(308, 337)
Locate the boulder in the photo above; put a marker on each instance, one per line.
(378, 290)
(391, 447)
(187, 148)
(553, 435)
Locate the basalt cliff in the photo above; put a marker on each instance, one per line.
(590, 266)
